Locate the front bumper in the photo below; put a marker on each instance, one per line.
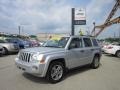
(31, 68)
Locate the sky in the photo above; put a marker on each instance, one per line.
(54, 16)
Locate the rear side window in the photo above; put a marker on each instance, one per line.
(87, 42)
(94, 42)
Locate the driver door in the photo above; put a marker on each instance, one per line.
(76, 52)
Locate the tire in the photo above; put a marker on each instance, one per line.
(118, 54)
(5, 50)
(96, 62)
(55, 72)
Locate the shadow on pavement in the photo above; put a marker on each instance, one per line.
(35, 79)
(110, 55)
(76, 71)
(68, 74)
(8, 54)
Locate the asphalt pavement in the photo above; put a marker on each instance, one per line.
(106, 77)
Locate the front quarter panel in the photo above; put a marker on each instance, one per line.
(52, 57)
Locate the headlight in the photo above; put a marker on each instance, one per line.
(38, 58)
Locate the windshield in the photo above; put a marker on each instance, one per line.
(57, 43)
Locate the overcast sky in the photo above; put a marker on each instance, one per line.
(53, 16)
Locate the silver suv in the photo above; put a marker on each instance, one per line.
(52, 60)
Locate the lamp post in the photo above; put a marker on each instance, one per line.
(94, 28)
(19, 28)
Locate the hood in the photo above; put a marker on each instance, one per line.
(43, 50)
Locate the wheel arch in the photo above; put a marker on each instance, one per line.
(62, 60)
(117, 51)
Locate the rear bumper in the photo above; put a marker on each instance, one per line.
(31, 68)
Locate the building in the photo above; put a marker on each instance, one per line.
(46, 36)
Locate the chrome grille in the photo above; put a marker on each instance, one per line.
(25, 56)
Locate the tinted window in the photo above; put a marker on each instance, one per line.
(87, 42)
(76, 43)
(94, 42)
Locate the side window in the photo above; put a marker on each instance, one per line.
(87, 42)
(75, 43)
(94, 42)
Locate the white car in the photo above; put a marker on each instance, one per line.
(113, 49)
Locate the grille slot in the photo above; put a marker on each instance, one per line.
(25, 56)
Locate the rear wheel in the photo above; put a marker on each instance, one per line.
(118, 54)
(96, 62)
(55, 72)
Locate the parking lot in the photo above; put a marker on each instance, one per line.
(107, 77)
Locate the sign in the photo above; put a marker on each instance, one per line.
(80, 14)
(80, 17)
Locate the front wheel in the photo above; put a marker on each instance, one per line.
(5, 50)
(118, 54)
(96, 62)
(55, 72)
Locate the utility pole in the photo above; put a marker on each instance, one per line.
(72, 26)
(94, 28)
(19, 28)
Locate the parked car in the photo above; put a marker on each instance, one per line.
(22, 43)
(52, 61)
(35, 43)
(1, 50)
(113, 49)
(9, 47)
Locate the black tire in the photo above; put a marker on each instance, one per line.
(96, 62)
(51, 70)
(118, 54)
(5, 51)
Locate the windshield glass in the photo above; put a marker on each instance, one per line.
(61, 43)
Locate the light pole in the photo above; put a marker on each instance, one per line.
(19, 28)
(94, 28)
